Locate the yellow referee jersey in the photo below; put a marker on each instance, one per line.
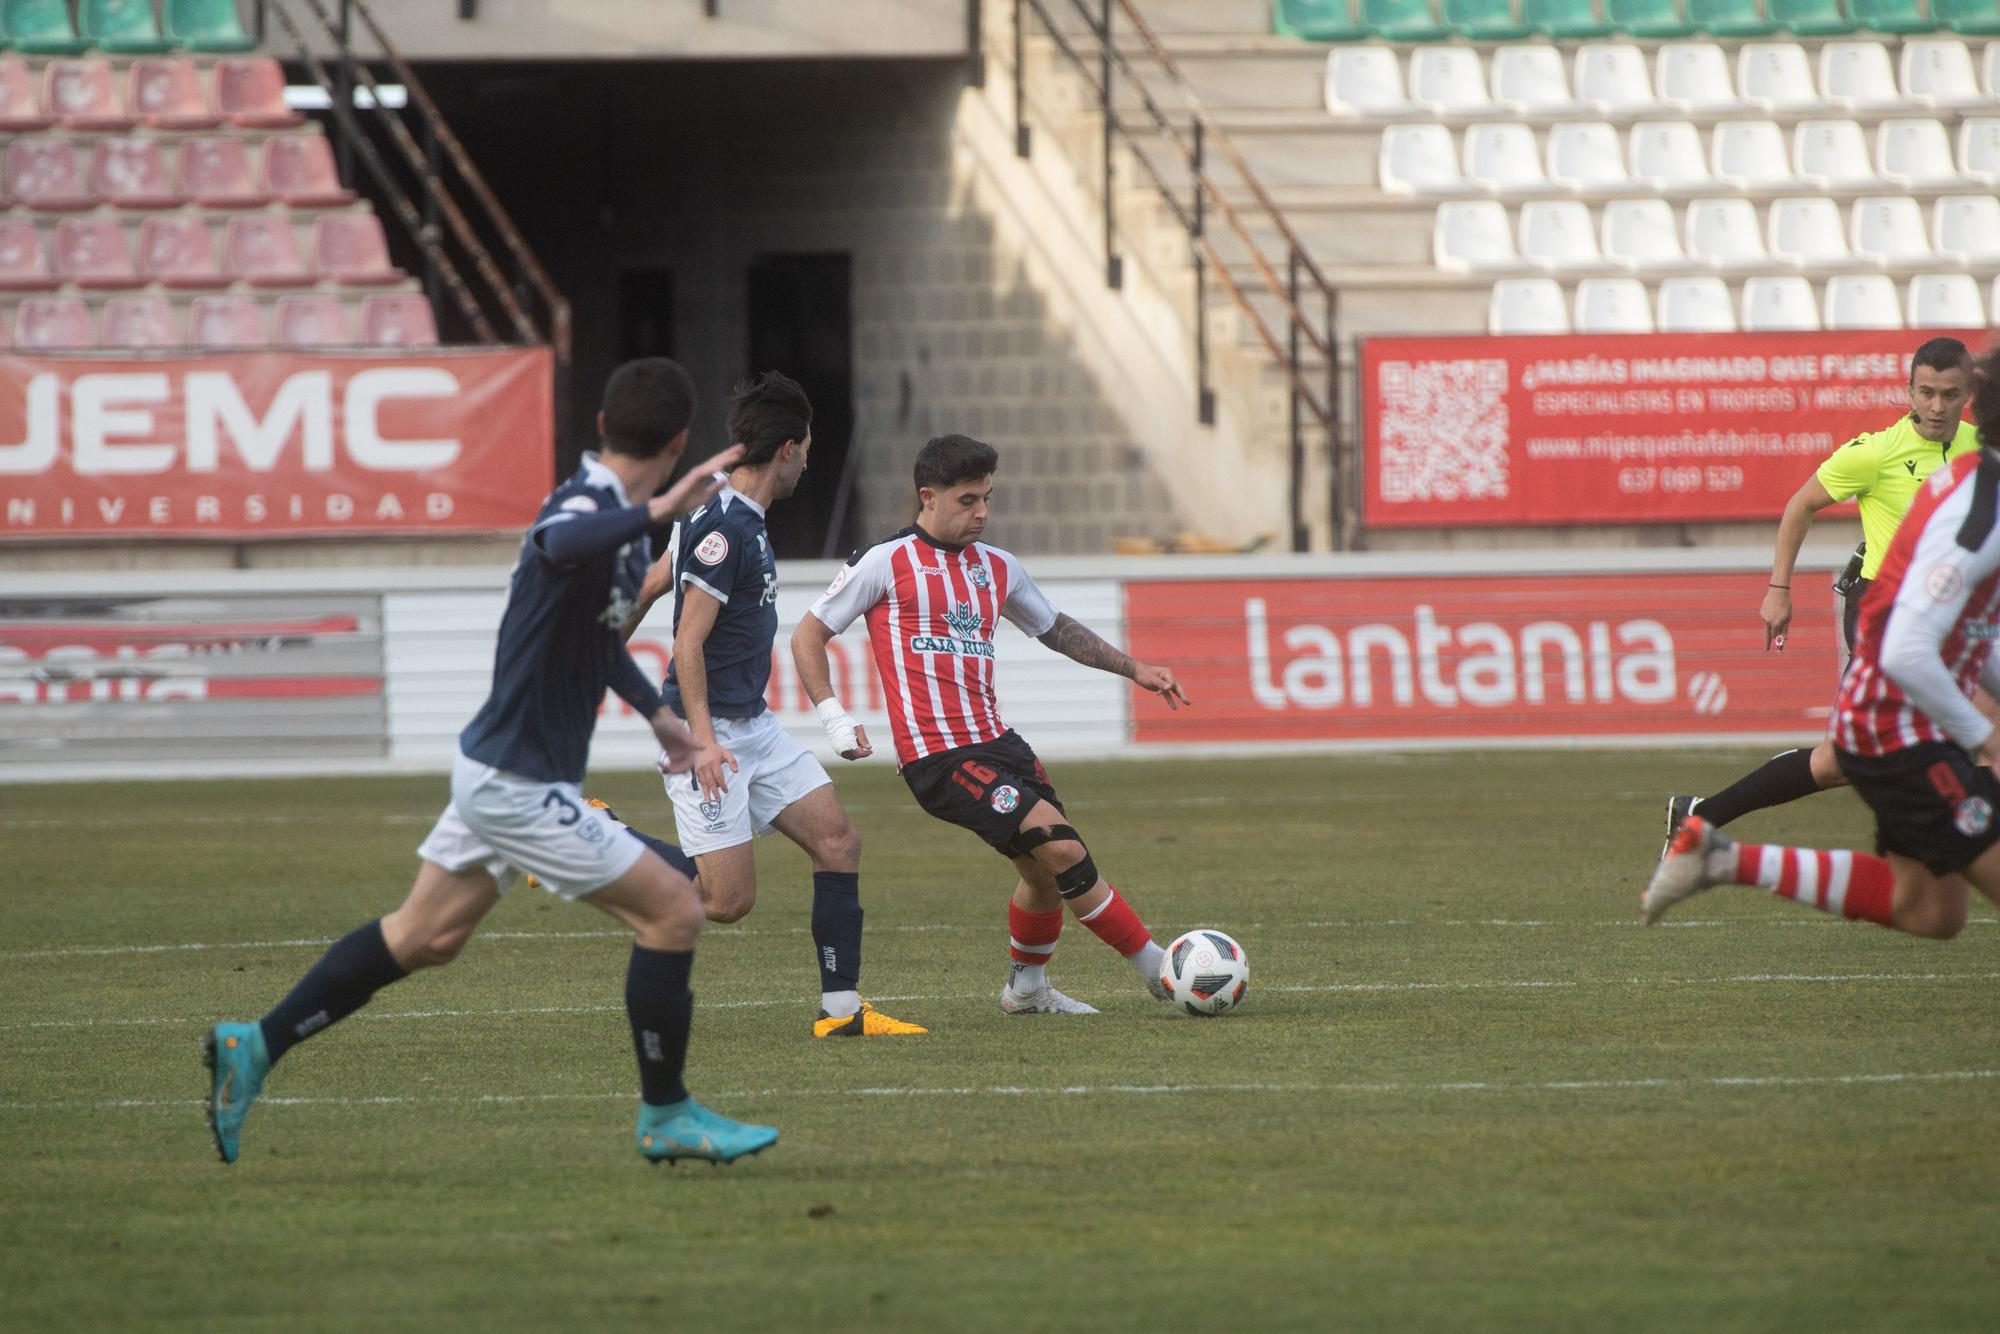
(1881, 472)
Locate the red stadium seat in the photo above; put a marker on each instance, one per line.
(251, 92)
(23, 266)
(226, 321)
(133, 173)
(140, 321)
(53, 322)
(20, 110)
(178, 252)
(92, 252)
(299, 169)
(45, 173)
(167, 94)
(349, 248)
(314, 321)
(262, 251)
(83, 95)
(398, 319)
(216, 173)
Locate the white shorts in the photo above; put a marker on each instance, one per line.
(773, 771)
(506, 824)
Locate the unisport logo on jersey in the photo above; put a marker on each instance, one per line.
(965, 620)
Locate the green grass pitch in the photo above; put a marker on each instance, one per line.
(1465, 1092)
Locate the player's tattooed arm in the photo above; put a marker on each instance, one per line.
(1077, 641)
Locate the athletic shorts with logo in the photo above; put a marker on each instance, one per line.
(773, 771)
(1931, 803)
(988, 787)
(507, 824)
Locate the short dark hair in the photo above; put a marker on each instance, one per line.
(646, 404)
(947, 460)
(766, 412)
(1986, 397)
(1941, 354)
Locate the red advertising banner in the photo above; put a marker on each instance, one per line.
(270, 444)
(1541, 657)
(1635, 428)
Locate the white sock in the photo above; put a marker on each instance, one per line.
(1148, 960)
(839, 1004)
(1025, 979)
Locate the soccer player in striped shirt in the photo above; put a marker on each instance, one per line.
(1905, 730)
(933, 596)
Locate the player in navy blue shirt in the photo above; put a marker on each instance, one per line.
(515, 804)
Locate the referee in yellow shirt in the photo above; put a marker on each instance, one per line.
(1881, 473)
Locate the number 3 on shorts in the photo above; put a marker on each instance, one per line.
(570, 812)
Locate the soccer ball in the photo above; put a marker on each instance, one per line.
(1206, 973)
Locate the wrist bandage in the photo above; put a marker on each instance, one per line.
(839, 725)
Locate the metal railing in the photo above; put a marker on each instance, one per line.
(1293, 283)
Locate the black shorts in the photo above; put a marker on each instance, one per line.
(988, 788)
(1850, 610)
(1931, 803)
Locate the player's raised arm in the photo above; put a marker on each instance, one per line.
(698, 611)
(1078, 642)
(694, 490)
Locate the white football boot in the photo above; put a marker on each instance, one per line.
(1045, 1001)
(1686, 871)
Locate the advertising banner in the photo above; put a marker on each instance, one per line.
(1637, 428)
(1438, 659)
(273, 444)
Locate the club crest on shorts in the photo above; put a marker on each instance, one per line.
(711, 811)
(712, 549)
(1004, 799)
(591, 831)
(1973, 817)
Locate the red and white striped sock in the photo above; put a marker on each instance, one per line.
(1857, 886)
(1114, 923)
(1031, 941)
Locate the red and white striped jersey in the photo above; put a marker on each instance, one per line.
(932, 610)
(1925, 634)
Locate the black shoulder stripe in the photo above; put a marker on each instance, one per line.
(1978, 525)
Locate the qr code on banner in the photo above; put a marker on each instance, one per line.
(1443, 433)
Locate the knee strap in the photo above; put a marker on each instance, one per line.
(1027, 840)
(1077, 879)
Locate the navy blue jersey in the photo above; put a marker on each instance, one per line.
(723, 549)
(562, 637)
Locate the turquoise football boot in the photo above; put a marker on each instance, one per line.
(237, 1063)
(686, 1129)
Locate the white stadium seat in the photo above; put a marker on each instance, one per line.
(1966, 228)
(1946, 301)
(1915, 154)
(1808, 233)
(1667, 155)
(1501, 156)
(1527, 306)
(1979, 148)
(1587, 156)
(1472, 235)
(1557, 234)
(1750, 154)
(1418, 160)
(1858, 75)
(1776, 76)
(1642, 234)
(1989, 71)
(1696, 305)
(1528, 77)
(1724, 233)
(1995, 319)
(1864, 301)
(1779, 305)
(1365, 81)
(1694, 76)
(1449, 80)
(1832, 154)
(1612, 306)
(1611, 76)
(1889, 230)
(1938, 72)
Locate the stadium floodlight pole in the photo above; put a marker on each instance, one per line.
(1022, 140)
(1114, 265)
(1204, 396)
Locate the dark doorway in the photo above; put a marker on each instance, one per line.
(801, 323)
(645, 314)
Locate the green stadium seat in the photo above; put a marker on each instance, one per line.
(1485, 20)
(41, 28)
(1810, 18)
(1648, 18)
(1973, 18)
(1565, 20)
(1403, 20)
(121, 27)
(1729, 18)
(1317, 21)
(1892, 16)
(208, 25)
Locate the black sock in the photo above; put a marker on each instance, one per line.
(661, 1008)
(836, 927)
(1780, 779)
(353, 968)
(668, 852)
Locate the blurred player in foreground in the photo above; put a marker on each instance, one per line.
(1881, 472)
(515, 805)
(933, 595)
(1905, 731)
